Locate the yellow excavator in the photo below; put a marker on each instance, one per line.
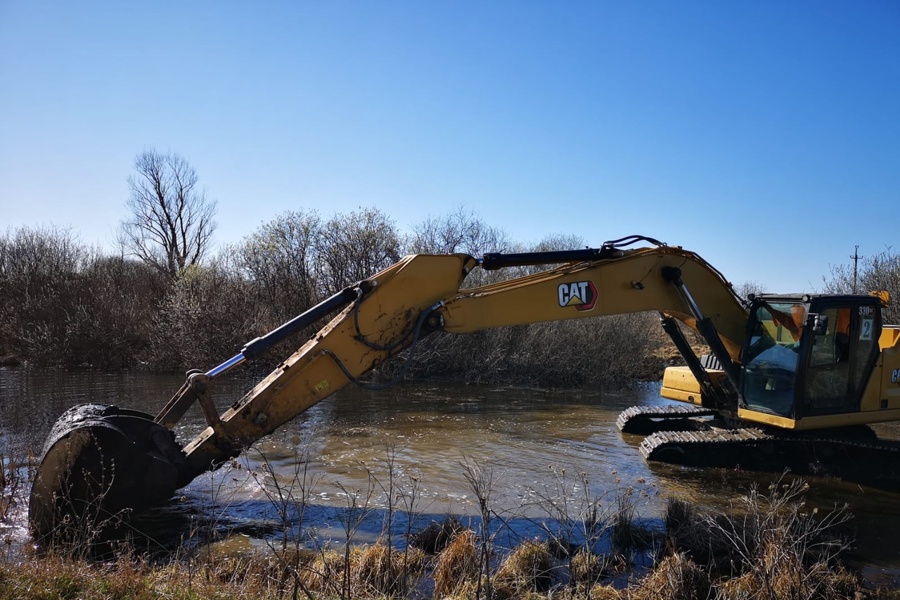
(790, 380)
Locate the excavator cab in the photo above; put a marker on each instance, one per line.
(809, 358)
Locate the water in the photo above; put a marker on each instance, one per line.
(528, 447)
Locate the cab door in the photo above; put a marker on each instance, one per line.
(772, 356)
(840, 356)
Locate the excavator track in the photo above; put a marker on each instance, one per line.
(869, 462)
(648, 419)
(701, 446)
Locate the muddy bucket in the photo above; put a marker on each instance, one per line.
(100, 464)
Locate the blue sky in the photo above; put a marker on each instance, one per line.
(764, 135)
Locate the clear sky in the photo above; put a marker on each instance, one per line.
(764, 135)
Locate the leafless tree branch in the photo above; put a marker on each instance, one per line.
(170, 225)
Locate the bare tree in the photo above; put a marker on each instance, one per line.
(354, 246)
(459, 231)
(171, 222)
(743, 290)
(463, 231)
(280, 261)
(880, 271)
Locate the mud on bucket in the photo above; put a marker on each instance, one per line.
(100, 464)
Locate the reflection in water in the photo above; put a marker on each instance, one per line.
(534, 444)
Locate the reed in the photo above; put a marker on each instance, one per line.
(10, 482)
(382, 570)
(675, 578)
(528, 568)
(457, 566)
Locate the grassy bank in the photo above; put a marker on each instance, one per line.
(534, 569)
(767, 545)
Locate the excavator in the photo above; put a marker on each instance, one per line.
(789, 380)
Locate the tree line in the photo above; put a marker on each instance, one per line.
(164, 303)
(65, 304)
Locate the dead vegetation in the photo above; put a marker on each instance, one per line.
(529, 571)
(769, 545)
(457, 566)
(11, 478)
(436, 536)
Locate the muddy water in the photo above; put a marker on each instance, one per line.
(526, 449)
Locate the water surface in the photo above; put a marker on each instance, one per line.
(425, 443)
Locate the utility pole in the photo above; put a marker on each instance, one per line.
(855, 258)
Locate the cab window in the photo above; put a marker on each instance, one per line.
(840, 359)
(772, 356)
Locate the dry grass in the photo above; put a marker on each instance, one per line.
(627, 535)
(679, 516)
(884, 594)
(604, 592)
(526, 573)
(585, 570)
(252, 578)
(456, 566)
(768, 546)
(588, 570)
(378, 573)
(528, 568)
(325, 572)
(675, 578)
(125, 579)
(780, 576)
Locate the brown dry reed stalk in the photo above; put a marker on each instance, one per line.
(675, 578)
(325, 573)
(481, 482)
(290, 501)
(528, 568)
(383, 571)
(768, 546)
(10, 480)
(623, 522)
(577, 518)
(456, 565)
(780, 576)
(358, 508)
(58, 577)
(87, 528)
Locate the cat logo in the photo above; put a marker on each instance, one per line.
(580, 294)
(895, 375)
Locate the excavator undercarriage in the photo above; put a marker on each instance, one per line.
(697, 437)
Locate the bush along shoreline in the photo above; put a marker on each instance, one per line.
(63, 304)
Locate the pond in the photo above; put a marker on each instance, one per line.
(426, 444)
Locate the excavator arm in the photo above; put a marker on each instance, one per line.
(420, 295)
(379, 318)
(388, 315)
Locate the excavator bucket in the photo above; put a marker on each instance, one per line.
(99, 463)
